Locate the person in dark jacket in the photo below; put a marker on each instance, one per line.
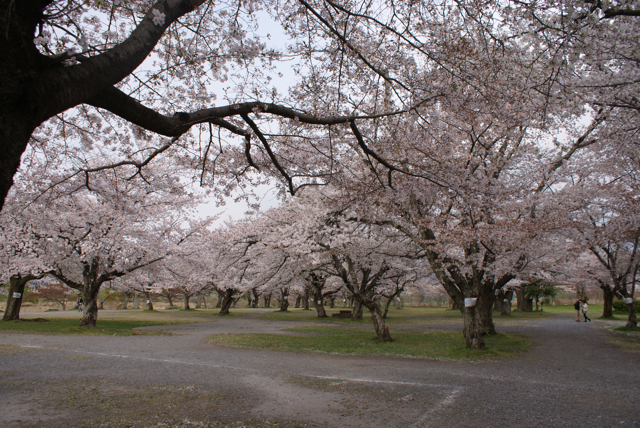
(576, 305)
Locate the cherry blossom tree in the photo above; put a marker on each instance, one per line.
(86, 237)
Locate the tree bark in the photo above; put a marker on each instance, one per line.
(506, 306)
(149, 302)
(607, 299)
(473, 329)
(126, 300)
(305, 299)
(382, 331)
(525, 304)
(284, 300)
(136, 300)
(484, 306)
(187, 296)
(357, 310)
(17, 285)
(227, 301)
(632, 320)
(90, 310)
(220, 298)
(322, 313)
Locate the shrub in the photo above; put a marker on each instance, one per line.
(621, 306)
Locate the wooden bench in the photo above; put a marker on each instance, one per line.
(342, 314)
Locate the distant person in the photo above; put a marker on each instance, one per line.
(80, 302)
(585, 308)
(576, 306)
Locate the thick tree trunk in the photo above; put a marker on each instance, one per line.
(484, 306)
(227, 301)
(187, 296)
(382, 331)
(267, 301)
(607, 297)
(169, 298)
(322, 313)
(283, 302)
(149, 302)
(497, 304)
(473, 329)
(17, 285)
(90, 310)
(298, 300)
(136, 301)
(305, 299)
(126, 300)
(506, 303)
(525, 304)
(357, 310)
(220, 298)
(199, 299)
(632, 320)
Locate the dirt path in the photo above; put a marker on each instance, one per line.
(571, 378)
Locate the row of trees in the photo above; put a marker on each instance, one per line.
(482, 141)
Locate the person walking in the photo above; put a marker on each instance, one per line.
(585, 308)
(576, 306)
(80, 302)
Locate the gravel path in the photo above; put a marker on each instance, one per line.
(572, 378)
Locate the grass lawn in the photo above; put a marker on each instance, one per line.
(110, 323)
(351, 340)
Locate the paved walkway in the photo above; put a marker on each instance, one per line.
(571, 378)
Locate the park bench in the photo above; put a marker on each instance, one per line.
(342, 314)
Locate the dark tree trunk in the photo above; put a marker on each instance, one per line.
(497, 304)
(632, 320)
(149, 302)
(607, 298)
(127, 296)
(199, 299)
(220, 298)
(506, 303)
(382, 331)
(525, 304)
(298, 301)
(283, 302)
(473, 329)
(485, 305)
(386, 308)
(17, 285)
(322, 313)
(227, 301)
(187, 296)
(357, 310)
(90, 310)
(305, 299)
(167, 294)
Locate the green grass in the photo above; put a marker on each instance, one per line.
(628, 329)
(347, 340)
(395, 316)
(119, 323)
